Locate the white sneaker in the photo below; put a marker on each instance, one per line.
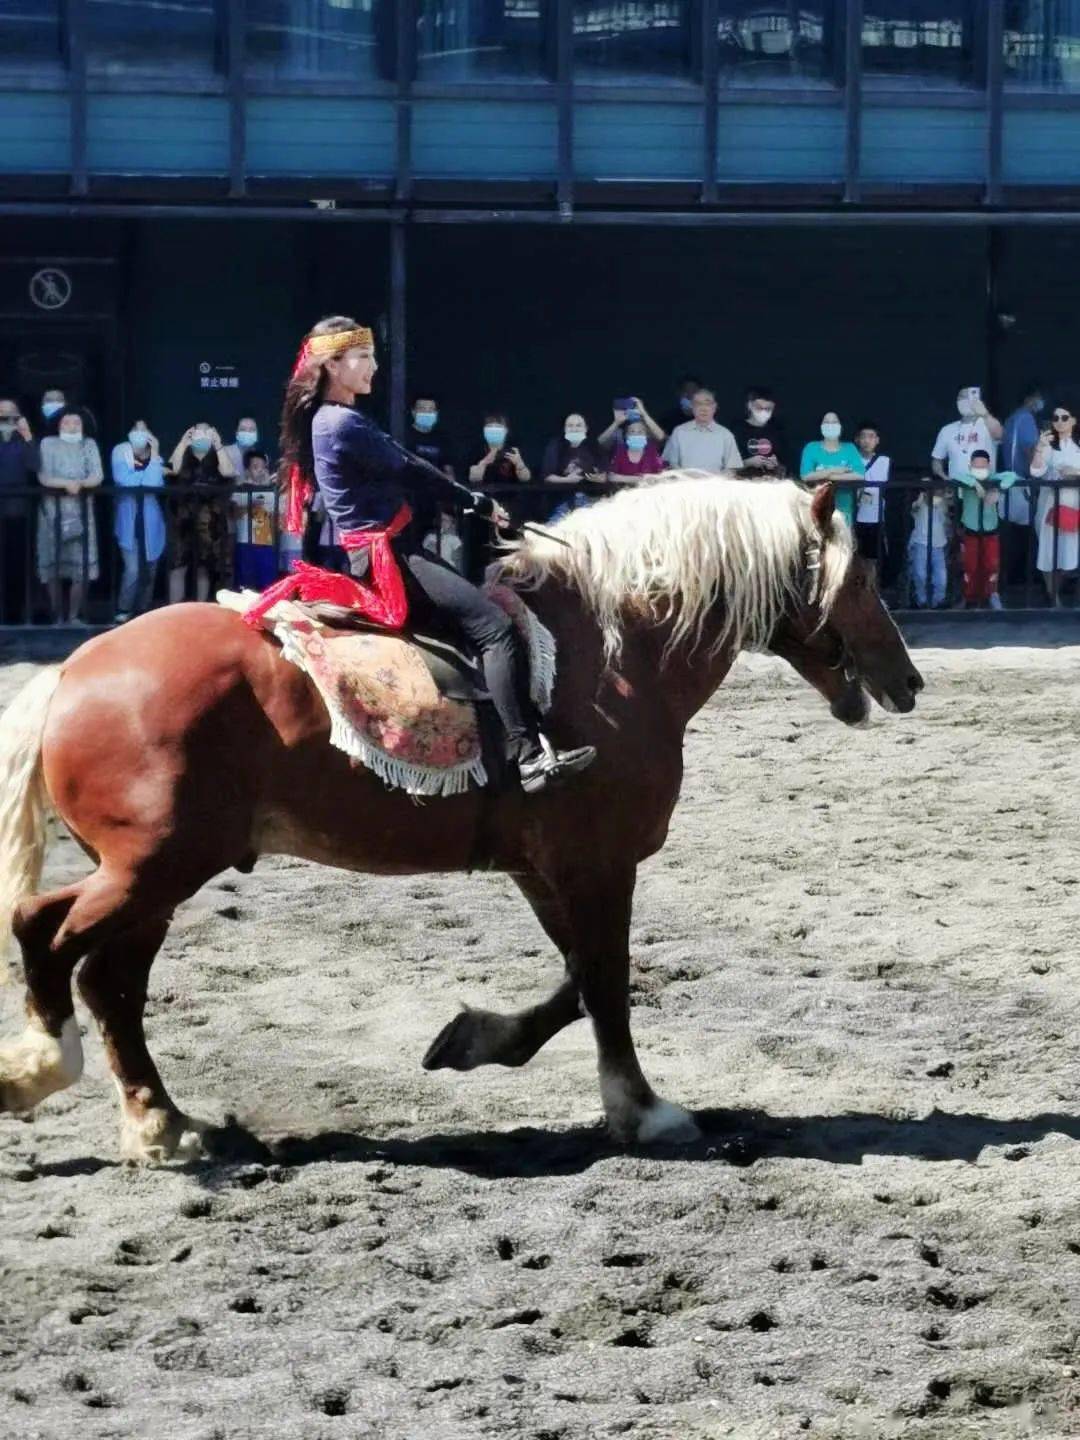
(121, 616)
(995, 602)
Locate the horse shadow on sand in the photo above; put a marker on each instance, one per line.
(729, 1137)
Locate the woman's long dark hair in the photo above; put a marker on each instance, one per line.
(304, 394)
(1063, 404)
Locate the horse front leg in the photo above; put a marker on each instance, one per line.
(486, 1037)
(598, 906)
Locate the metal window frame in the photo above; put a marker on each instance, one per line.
(75, 45)
(853, 101)
(995, 83)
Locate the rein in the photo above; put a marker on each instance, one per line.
(811, 595)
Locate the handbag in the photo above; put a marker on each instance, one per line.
(1068, 519)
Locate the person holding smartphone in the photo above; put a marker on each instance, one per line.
(1057, 512)
(625, 412)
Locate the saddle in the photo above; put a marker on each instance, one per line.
(409, 706)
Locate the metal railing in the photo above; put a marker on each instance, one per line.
(185, 542)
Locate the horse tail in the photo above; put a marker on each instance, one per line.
(23, 798)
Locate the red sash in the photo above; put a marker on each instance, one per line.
(382, 601)
(1068, 519)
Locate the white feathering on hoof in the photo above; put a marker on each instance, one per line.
(23, 800)
(669, 1124)
(38, 1064)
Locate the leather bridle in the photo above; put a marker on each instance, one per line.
(812, 578)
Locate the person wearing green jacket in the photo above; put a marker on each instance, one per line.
(980, 545)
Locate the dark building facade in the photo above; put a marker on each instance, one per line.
(540, 204)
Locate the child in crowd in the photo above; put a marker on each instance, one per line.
(926, 549)
(445, 541)
(256, 562)
(980, 491)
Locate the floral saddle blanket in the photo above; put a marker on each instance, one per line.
(395, 704)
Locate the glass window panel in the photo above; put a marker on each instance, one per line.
(1042, 44)
(321, 39)
(476, 40)
(616, 42)
(782, 42)
(928, 42)
(153, 37)
(30, 35)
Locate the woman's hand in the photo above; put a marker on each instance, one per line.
(23, 428)
(499, 517)
(72, 489)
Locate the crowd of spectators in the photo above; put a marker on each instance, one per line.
(210, 510)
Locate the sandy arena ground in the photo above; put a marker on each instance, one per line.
(855, 956)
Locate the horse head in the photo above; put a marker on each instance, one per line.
(836, 631)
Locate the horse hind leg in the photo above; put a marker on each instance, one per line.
(113, 984)
(47, 1057)
(55, 931)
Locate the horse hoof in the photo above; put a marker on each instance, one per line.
(159, 1137)
(452, 1047)
(667, 1124)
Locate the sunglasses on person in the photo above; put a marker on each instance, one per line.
(1060, 415)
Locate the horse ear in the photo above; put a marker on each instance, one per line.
(823, 506)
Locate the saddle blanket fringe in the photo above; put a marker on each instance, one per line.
(384, 708)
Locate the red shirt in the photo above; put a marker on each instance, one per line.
(649, 464)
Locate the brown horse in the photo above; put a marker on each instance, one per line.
(183, 744)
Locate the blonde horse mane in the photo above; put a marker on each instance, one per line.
(677, 546)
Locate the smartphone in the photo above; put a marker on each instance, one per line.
(627, 404)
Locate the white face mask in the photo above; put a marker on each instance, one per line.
(72, 437)
(965, 408)
(574, 437)
(980, 474)
(830, 430)
(761, 414)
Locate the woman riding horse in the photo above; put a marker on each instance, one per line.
(363, 478)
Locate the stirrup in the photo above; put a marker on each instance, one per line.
(552, 767)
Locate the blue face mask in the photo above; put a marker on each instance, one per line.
(425, 420)
(49, 408)
(495, 434)
(686, 405)
(1039, 406)
(246, 438)
(73, 437)
(636, 443)
(139, 439)
(201, 444)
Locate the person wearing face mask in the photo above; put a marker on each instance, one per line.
(760, 436)
(425, 439)
(683, 409)
(976, 429)
(247, 437)
(200, 541)
(869, 529)
(67, 548)
(255, 558)
(501, 462)
(980, 493)
(54, 403)
(622, 416)
(831, 458)
(18, 472)
(572, 461)
(636, 456)
(138, 522)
